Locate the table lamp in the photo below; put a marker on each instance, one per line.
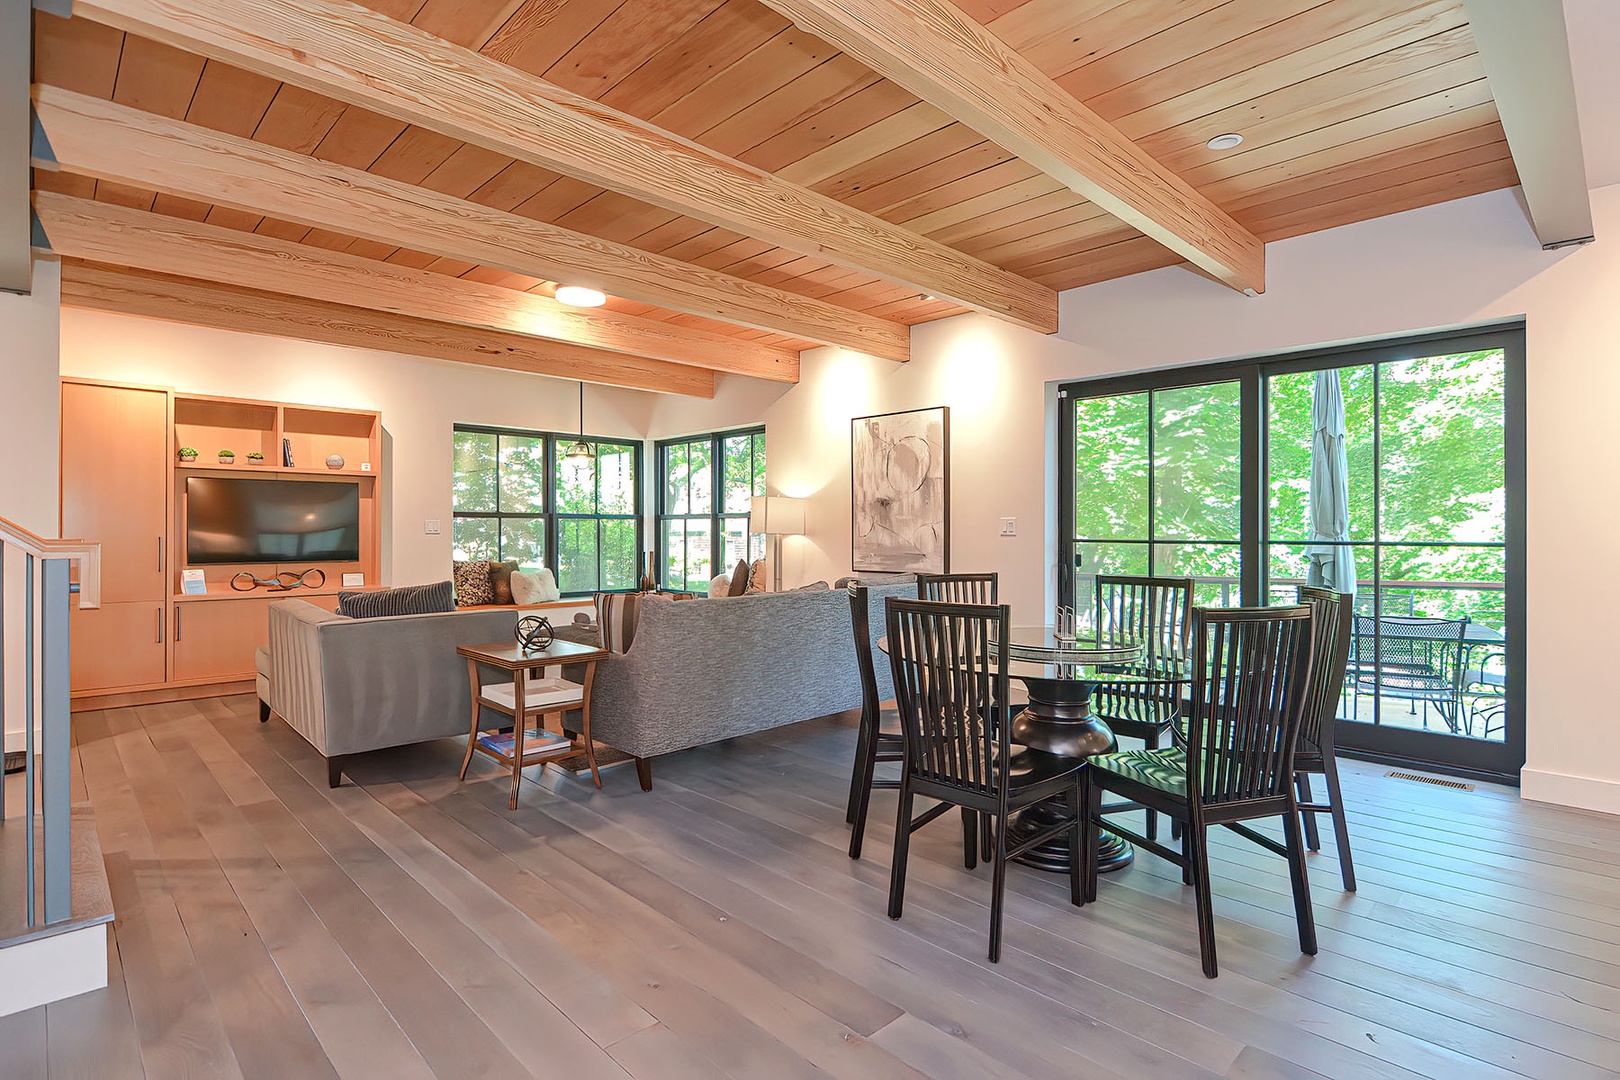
(776, 516)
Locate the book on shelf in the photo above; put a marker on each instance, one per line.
(534, 742)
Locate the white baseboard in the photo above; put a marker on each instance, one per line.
(1580, 792)
(52, 968)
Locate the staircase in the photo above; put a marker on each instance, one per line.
(54, 900)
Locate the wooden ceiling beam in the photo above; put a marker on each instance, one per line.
(101, 232)
(109, 141)
(224, 307)
(948, 59)
(1524, 46)
(357, 55)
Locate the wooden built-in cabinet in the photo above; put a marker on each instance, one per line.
(124, 485)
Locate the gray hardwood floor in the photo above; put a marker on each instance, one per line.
(408, 926)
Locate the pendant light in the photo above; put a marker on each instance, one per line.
(580, 448)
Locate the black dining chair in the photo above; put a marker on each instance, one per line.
(950, 683)
(878, 738)
(960, 588)
(1251, 682)
(1314, 752)
(1155, 611)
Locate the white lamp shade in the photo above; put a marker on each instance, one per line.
(776, 515)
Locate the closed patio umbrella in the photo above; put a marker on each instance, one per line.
(1331, 566)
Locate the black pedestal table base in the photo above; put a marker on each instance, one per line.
(1058, 722)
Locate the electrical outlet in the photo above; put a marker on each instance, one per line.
(1009, 526)
(431, 526)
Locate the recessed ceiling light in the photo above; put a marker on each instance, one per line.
(1224, 142)
(580, 296)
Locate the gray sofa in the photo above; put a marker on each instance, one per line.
(351, 685)
(699, 671)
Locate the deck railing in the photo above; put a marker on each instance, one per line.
(37, 616)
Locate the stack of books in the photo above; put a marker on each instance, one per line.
(535, 743)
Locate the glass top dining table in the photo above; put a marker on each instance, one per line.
(1061, 674)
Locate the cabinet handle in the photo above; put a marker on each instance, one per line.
(177, 624)
(160, 626)
(160, 554)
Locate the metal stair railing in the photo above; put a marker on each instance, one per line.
(40, 615)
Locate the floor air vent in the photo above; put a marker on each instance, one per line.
(1455, 785)
(16, 761)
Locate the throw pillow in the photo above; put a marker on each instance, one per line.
(739, 579)
(756, 576)
(536, 587)
(472, 583)
(500, 580)
(408, 600)
(720, 586)
(616, 615)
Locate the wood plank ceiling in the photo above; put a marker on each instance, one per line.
(1349, 110)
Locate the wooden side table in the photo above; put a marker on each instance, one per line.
(529, 696)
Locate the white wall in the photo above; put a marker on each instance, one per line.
(1466, 262)
(420, 401)
(30, 447)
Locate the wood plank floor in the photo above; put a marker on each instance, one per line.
(409, 926)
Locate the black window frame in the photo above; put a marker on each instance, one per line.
(552, 517)
(1499, 762)
(716, 515)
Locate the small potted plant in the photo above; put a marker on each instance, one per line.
(255, 458)
(227, 457)
(188, 454)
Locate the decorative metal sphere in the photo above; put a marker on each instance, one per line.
(534, 633)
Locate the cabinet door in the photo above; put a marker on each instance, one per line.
(117, 645)
(115, 484)
(215, 639)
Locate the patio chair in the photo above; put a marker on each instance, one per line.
(1413, 659)
(1251, 684)
(950, 683)
(1484, 691)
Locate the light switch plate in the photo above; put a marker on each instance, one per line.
(431, 526)
(1009, 526)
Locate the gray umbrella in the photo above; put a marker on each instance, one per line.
(1331, 566)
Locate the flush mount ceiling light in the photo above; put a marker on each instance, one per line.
(580, 296)
(1219, 142)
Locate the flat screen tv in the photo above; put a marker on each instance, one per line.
(231, 520)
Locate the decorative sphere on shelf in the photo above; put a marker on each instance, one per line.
(534, 633)
(335, 461)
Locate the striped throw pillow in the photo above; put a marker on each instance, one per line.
(616, 615)
(408, 600)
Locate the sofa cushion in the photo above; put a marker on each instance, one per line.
(472, 583)
(739, 578)
(408, 600)
(534, 587)
(500, 581)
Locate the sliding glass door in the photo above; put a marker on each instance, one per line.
(1393, 472)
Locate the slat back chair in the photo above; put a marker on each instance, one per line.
(1251, 683)
(1333, 613)
(1157, 611)
(1411, 658)
(950, 681)
(959, 588)
(878, 738)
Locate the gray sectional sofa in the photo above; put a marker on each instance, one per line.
(697, 671)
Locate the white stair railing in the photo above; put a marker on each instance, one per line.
(40, 616)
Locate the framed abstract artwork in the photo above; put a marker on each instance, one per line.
(901, 489)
